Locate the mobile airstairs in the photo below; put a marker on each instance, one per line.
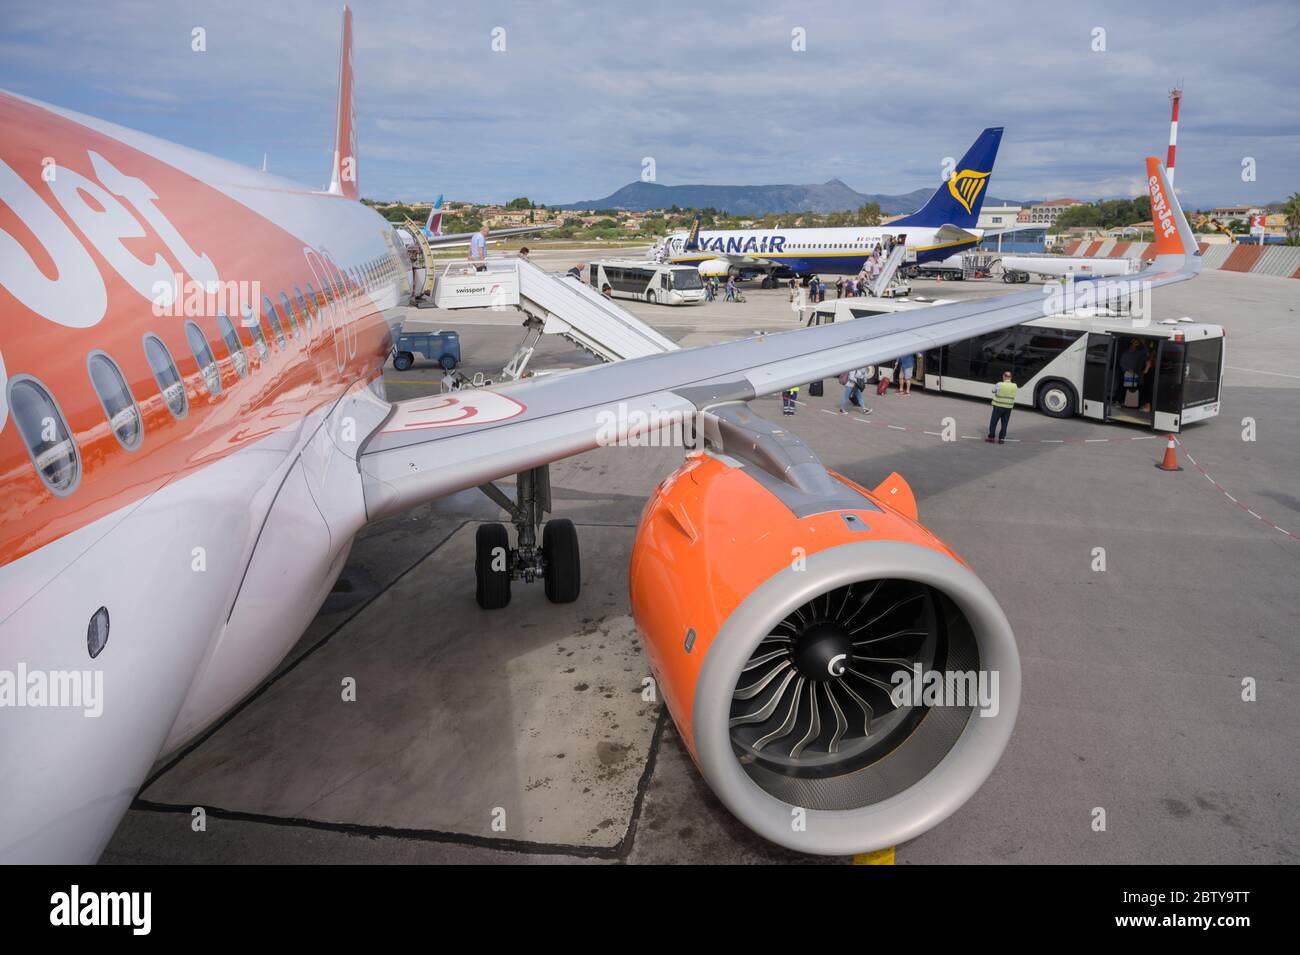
(880, 288)
(554, 305)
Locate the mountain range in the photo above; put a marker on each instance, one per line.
(832, 196)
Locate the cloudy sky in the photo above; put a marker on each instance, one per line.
(712, 91)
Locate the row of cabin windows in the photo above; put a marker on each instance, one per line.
(832, 245)
(44, 429)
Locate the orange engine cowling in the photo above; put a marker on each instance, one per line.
(778, 610)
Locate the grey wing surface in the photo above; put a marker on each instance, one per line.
(435, 446)
(462, 238)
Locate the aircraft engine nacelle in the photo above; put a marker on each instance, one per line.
(712, 267)
(776, 615)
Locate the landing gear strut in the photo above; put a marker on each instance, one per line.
(556, 561)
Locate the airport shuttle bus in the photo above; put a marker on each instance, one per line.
(1071, 365)
(652, 282)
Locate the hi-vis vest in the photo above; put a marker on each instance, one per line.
(1004, 396)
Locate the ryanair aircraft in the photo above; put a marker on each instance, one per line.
(943, 227)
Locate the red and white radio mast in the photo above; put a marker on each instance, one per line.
(1175, 96)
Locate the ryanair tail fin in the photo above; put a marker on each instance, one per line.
(434, 225)
(957, 202)
(343, 179)
(693, 237)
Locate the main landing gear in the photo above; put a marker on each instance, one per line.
(556, 561)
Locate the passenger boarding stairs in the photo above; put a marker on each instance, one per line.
(892, 263)
(426, 256)
(555, 305)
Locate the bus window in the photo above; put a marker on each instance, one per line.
(686, 280)
(1096, 368)
(995, 353)
(1203, 368)
(1036, 347)
(1169, 378)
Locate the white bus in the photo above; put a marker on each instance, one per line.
(653, 282)
(1163, 375)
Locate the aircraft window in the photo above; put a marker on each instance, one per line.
(302, 308)
(335, 278)
(119, 405)
(315, 301)
(274, 318)
(293, 319)
(165, 373)
(203, 355)
(233, 344)
(43, 430)
(259, 338)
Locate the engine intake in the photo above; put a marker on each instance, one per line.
(778, 612)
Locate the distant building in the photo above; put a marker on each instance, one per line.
(1137, 228)
(1046, 213)
(998, 217)
(1015, 238)
(1226, 214)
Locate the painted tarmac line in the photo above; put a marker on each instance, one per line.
(1222, 490)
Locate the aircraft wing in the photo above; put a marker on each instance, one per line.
(743, 261)
(430, 447)
(462, 238)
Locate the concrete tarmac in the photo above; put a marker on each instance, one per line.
(523, 735)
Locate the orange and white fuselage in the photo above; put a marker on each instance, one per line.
(213, 532)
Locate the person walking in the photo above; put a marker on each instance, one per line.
(1004, 399)
(788, 399)
(854, 382)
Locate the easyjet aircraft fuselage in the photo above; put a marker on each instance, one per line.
(187, 350)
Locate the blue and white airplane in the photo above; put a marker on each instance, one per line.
(432, 230)
(943, 227)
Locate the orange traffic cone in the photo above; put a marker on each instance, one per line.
(1170, 463)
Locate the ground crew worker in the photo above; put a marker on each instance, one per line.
(1004, 399)
(788, 399)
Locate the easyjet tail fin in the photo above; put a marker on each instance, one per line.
(1176, 246)
(343, 179)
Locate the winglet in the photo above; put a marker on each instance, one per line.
(1175, 241)
(343, 179)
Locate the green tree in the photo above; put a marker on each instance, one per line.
(521, 203)
(1291, 209)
